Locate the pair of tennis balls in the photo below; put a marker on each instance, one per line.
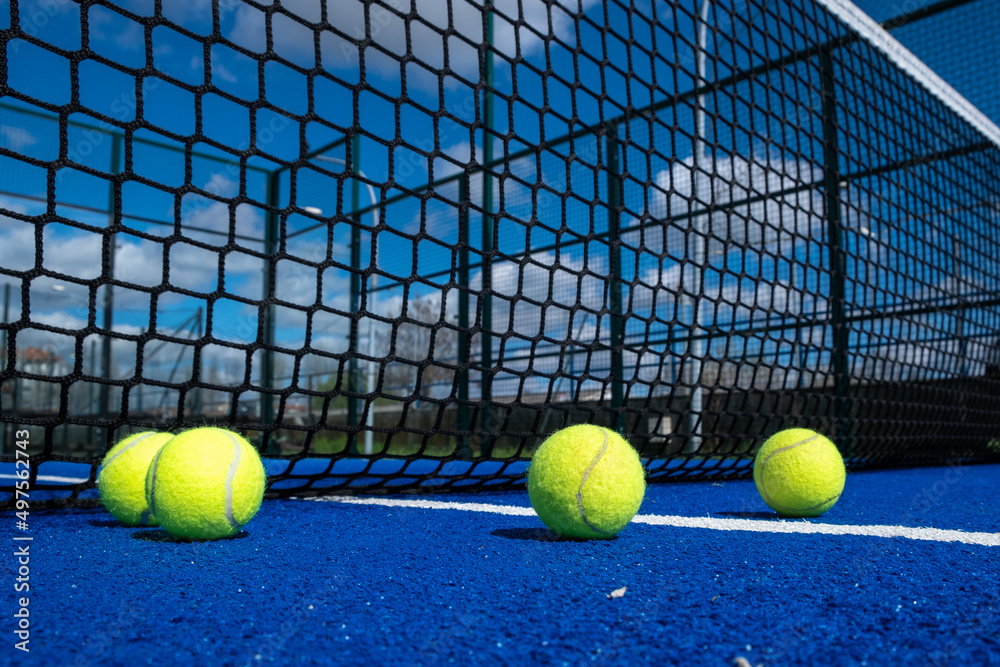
(587, 482)
(205, 483)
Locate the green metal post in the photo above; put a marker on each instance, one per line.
(353, 380)
(3, 358)
(838, 261)
(198, 330)
(90, 390)
(615, 279)
(139, 404)
(104, 399)
(462, 420)
(6, 320)
(486, 299)
(267, 312)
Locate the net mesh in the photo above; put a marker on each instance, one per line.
(940, 33)
(397, 244)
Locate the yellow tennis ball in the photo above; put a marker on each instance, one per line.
(121, 479)
(799, 473)
(205, 483)
(586, 482)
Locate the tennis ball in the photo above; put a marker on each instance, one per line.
(586, 482)
(121, 479)
(205, 483)
(799, 473)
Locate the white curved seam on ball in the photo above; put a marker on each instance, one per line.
(230, 517)
(107, 462)
(152, 481)
(586, 474)
(763, 485)
(790, 510)
(787, 447)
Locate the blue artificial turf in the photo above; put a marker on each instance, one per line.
(327, 583)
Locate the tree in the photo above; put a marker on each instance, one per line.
(420, 338)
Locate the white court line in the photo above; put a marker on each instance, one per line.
(431, 505)
(752, 525)
(929, 534)
(51, 478)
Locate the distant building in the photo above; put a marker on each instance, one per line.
(37, 395)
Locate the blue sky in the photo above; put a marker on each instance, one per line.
(218, 204)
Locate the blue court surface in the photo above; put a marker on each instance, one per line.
(904, 570)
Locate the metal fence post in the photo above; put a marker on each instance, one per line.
(104, 410)
(353, 384)
(267, 312)
(617, 337)
(486, 300)
(838, 262)
(462, 417)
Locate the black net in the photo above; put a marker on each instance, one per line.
(398, 245)
(954, 37)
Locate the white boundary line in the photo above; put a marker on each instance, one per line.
(50, 478)
(751, 525)
(878, 37)
(509, 510)
(805, 527)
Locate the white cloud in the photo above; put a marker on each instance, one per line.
(208, 214)
(293, 40)
(655, 293)
(334, 341)
(17, 244)
(18, 206)
(193, 268)
(220, 184)
(336, 289)
(197, 268)
(72, 252)
(249, 30)
(389, 31)
(103, 26)
(17, 138)
(542, 278)
(734, 179)
(535, 17)
(308, 10)
(132, 38)
(139, 262)
(460, 152)
(59, 319)
(295, 283)
(775, 226)
(188, 12)
(219, 69)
